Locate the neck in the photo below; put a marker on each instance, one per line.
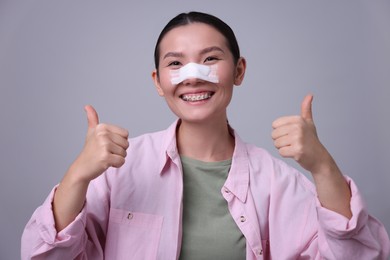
(208, 142)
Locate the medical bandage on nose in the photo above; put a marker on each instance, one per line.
(193, 70)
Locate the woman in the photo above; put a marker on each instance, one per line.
(195, 190)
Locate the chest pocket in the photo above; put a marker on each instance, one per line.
(132, 235)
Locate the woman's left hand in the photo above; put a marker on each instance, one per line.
(296, 137)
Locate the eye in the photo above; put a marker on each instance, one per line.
(210, 59)
(174, 63)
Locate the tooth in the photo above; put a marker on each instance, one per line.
(198, 97)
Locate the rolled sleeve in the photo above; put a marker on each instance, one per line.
(361, 236)
(40, 234)
(337, 225)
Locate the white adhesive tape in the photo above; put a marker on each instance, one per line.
(194, 70)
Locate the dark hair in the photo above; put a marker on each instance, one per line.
(197, 17)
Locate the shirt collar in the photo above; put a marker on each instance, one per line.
(238, 178)
(169, 146)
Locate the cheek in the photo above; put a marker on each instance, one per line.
(165, 82)
(226, 75)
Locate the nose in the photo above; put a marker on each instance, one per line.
(192, 81)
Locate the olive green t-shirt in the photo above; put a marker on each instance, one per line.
(209, 231)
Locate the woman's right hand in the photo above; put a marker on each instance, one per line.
(105, 146)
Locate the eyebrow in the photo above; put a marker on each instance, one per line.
(210, 49)
(173, 54)
(204, 51)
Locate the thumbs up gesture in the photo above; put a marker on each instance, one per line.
(105, 146)
(296, 137)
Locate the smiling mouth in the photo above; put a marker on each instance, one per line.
(197, 97)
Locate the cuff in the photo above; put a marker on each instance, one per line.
(337, 225)
(46, 225)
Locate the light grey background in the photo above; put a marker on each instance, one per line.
(57, 56)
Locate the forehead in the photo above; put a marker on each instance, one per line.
(192, 36)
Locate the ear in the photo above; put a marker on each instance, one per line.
(156, 81)
(239, 73)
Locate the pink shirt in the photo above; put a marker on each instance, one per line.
(134, 212)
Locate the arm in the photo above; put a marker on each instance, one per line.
(61, 221)
(315, 232)
(296, 137)
(105, 146)
(345, 230)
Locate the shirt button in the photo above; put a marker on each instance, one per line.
(242, 219)
(226, 190)
(130, 216)
(260, 252)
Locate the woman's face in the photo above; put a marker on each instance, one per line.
(202, 44)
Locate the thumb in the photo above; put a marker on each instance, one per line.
(92, 116)
(306, 112)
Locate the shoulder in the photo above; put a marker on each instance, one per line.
(261, 160)
(153, 143)
(266, 167)
(148, 142)
(145, 155)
